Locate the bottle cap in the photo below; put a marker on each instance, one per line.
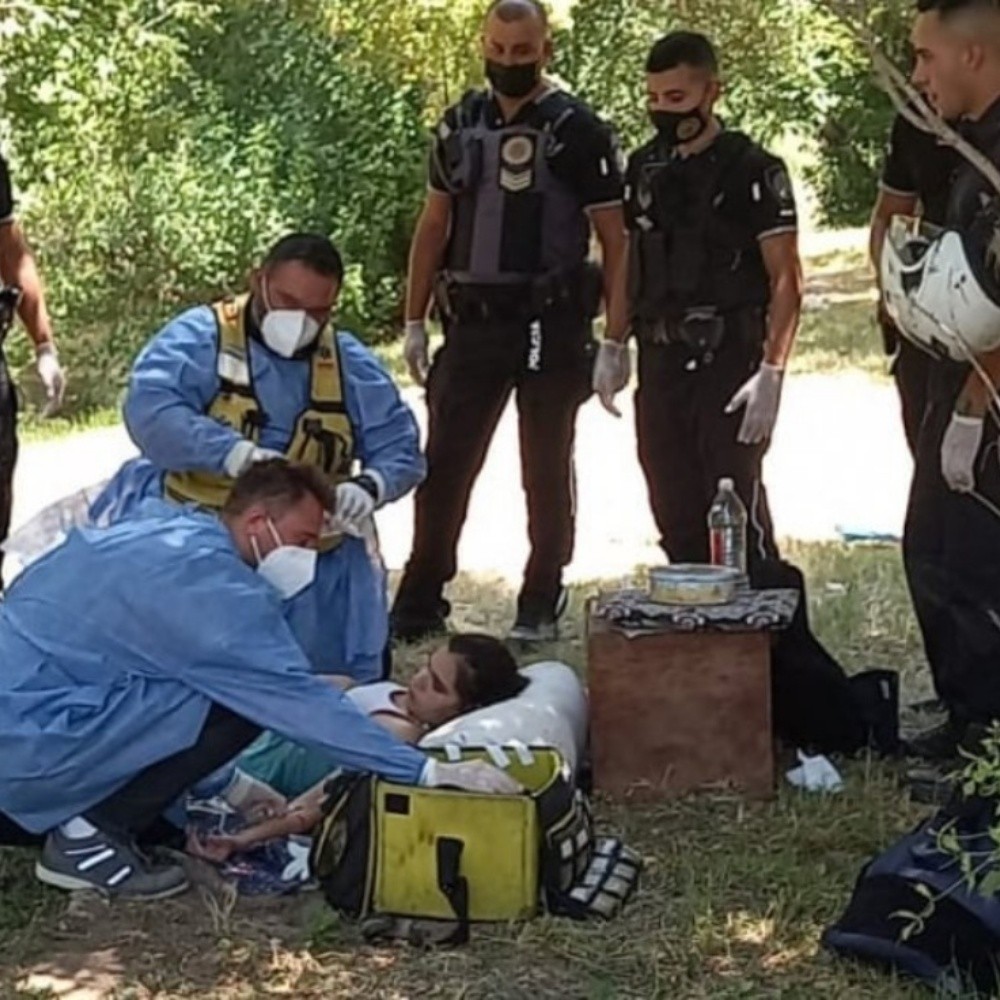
(726, 484)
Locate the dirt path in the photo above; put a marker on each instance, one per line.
(838, 459)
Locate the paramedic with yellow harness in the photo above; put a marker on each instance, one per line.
(266, 374)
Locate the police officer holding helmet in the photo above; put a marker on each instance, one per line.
(916, 177)
(519, 174)
(942, 289)
(715, 293)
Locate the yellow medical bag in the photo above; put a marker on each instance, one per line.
(443, 854)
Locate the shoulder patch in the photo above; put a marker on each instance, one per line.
(780, 184)
(617, 152)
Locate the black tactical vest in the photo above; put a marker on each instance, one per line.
(514, 219)
(689, 251)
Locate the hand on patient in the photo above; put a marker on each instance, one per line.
(255, 799)
(215, 847)
(301, 817)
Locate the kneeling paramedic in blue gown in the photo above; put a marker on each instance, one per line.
(222, 386)
(139, 658)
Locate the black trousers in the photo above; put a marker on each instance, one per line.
(951, 552)
(138, 805)
(911, 369)
(687, 444)
(8, 451)
(470, 382)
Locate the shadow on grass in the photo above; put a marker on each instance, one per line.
(732, 903)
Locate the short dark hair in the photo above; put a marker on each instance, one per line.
(278, 485)
(315, 251)
(489, 672)
(517, 10)
(946, 8)
(682, 48)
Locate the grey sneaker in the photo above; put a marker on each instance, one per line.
(534, 632)
(531, 627)
(107, 864)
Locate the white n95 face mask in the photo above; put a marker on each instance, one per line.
(288, 568)
(287, 331)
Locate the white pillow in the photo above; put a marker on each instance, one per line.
(550, 711)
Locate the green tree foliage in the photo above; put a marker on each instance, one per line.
(848, 114)
(158, 146)
(603, 55)
(788, 68)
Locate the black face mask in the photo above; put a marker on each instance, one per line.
(677, 127)
(512, 81)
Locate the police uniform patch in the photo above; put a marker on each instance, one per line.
(621, 162)
(517, 151)
(517, 155)
(780, 185)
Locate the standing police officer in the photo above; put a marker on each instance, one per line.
(952, 538)
(17, 269)
(916, 177)
(715, 291)
(519, 173)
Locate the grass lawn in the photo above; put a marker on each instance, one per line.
(734, 895)
(732, 902)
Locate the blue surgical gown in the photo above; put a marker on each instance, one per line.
(114, 645)
(341, 622)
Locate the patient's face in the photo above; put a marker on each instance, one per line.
(433, 692)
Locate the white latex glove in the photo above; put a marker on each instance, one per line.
(243, 454)
(958, 452)
(252, 797)
(470, 775)
(354, 504)
(760, 394)
(415, 350)
(612, 369)
(52, 376)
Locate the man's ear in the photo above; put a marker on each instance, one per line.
(974, 55)
(255, 520)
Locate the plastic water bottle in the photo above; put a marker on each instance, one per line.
(727, 528)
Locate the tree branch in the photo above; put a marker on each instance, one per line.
(908, 101)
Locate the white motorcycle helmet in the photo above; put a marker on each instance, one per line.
(937, 287)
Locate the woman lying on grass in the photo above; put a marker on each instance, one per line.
(468, 672)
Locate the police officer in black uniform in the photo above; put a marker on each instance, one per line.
(24, 289)
(952, 536)
(916, 179)
(519, 175)
(715, 292)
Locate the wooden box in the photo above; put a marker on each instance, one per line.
(683, 704)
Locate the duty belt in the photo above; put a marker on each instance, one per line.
(702, 330)
(522, 299)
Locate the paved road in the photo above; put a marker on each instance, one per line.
(838, 459)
